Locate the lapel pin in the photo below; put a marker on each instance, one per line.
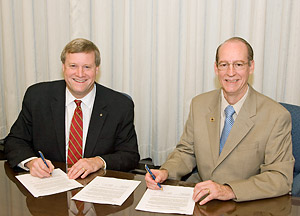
(212, 119)
(101, 114)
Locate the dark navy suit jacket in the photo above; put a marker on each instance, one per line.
(40, 126)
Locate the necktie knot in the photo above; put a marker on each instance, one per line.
(78, 103)
(229, 111)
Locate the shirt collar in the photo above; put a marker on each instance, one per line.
(88, 100)
(237, 106)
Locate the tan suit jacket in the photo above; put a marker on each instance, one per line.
(256, 161)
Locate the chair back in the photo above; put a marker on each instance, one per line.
(2, 156)
(295, 114)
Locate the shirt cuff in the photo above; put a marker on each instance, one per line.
(22, 163)
(104, 163)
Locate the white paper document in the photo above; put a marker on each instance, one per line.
(106, 190)
(172, 199)
(56, 183)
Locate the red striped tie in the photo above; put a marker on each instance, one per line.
(75, 137)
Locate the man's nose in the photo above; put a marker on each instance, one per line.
(80, 72)
(231, 70)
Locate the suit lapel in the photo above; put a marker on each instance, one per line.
(98, 117)
(241, 126)
(213, 127)
(58, 115)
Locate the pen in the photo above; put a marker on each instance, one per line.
(43, 158)
(153, 176)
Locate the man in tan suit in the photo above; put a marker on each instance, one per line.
(256, 161)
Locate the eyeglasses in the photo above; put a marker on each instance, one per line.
(237, 65)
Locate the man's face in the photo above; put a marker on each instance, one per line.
(234, 79)
(80, 73)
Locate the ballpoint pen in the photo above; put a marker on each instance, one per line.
(43, 158)
(152, 175)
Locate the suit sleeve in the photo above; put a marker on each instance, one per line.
(276, 173)
(182, 160)
(125, 155)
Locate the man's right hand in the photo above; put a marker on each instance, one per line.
(161, 176)
(39, 169)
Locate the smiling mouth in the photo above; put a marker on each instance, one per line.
(231, 81)
(80, 81)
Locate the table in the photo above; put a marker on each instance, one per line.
(15, 199)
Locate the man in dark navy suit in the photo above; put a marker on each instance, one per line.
(108, 135)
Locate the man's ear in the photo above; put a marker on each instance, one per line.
(252, 66)
(216, 69)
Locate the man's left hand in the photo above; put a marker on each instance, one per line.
(212, 191)
(85, 166)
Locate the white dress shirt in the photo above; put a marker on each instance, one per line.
(237, 107)
(87, 103)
